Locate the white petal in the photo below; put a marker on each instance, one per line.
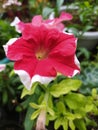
(10, 42)
(77, 61)
(2, 67)
(15, 23)
(27, 81)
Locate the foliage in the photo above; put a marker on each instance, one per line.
(85, 16)
(9, 83)
(69, 103)
(6, 32)
(89, 70)
(63, 104)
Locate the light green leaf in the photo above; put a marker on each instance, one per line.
(50, 111)
(47, 11)
(58, 123)
(71, 125)
(80, 124)
(35, 114)
(59, 3)
(35, 106)
(61, 107)
(64, 87)
(29, 92)
(65, 124)
(89, 107)
(75, 100)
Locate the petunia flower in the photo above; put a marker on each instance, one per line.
(2, 67)
(40, 53)
(38, 21)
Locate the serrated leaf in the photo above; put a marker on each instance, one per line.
(64, 87)
(35, 114)
(29, 92)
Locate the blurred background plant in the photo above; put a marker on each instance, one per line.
(86, 88)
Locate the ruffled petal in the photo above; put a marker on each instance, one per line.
(66, 65)
(28, 81)
(17, 48)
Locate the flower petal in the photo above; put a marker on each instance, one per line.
(17, 48)
(2, 67)
(28, 81)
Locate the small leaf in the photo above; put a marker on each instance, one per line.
(29, 92)
(35, 114)
(61, 107)
(75, 100)
(65, 124)
(57, 123)
(47, 11)
(80, 124)
(64, 87)
(59, 3)
(71, 125)
(51, 112)
(35, 106)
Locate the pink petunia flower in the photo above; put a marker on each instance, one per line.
(38, 21)
(2, 67)
(40, 53)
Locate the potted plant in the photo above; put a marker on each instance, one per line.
(85, 22)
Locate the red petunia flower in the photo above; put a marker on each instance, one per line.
(38, 21)
(40, 53)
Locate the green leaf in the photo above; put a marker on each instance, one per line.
(28, 124)
(50, 111)
(35, 106)
(59, 3)
(57, 123)
(75, 100)
(64, 87)
(35, 114)
(61, 107)
(89, 107)
(29, 92)
(46, 12)
(65, 124)
(71, 125)
(5, 96)
(80, 124)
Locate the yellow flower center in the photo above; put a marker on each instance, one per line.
(41, 55)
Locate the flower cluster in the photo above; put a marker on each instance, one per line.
(43, 50)
(11, 2)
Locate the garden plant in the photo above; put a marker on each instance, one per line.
(41, 74)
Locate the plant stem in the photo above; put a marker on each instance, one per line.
(40, 125)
